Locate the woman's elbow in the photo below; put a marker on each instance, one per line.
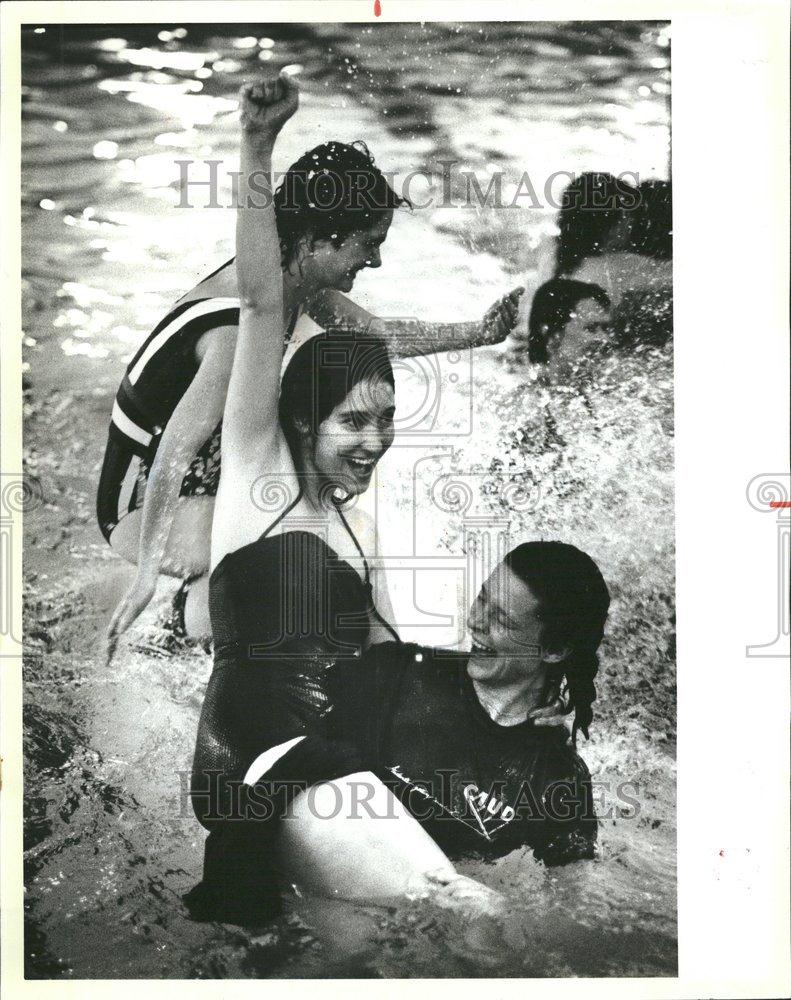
(259, 297)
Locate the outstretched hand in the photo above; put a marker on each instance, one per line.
(501, 318)
(266, 106)
(132, 605)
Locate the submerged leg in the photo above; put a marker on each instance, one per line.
(352, 838)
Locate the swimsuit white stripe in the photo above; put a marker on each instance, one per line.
(194, 312)
(265, 760)
(126, 426)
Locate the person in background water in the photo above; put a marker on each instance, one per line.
(615, 240)
(161, 466)
(594, 220)
(615, 235)
(458, 731)
(566, 318)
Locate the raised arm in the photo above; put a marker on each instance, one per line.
(252, 444)
(408, 337)
(251, 404)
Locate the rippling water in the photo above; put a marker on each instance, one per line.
(107, 112)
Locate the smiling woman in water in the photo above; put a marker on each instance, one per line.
(333, 211)
(292, 597)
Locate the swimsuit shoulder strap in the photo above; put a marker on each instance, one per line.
(284, 513)
(357, 545)
(368, 585)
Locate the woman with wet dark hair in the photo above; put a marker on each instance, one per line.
(331, 191)
(462, 733)
(293, 597)
(573, 603)
(566, 316)
(161, 468)
(614, 238)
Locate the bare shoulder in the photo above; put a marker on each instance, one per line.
(222, 340)
(364, 527)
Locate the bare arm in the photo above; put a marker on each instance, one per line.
(408, 337)
(251, 403)
(195, 417)
(197, 414)
(252, 443)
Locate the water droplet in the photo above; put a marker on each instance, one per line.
(105, 150)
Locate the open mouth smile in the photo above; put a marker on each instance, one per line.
(481, 649)
(361, 464)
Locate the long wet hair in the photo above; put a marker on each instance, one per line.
(330, 192)
(321, 374)
(652, 227)
(552, 306)
(573, 605)
(590, 207)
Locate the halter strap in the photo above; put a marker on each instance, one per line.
(368, 585)
(357, 545)
(284, 513)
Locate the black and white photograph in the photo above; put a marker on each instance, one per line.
(348, 477)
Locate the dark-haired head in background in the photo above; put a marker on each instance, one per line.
(594, 218)
(565, 317)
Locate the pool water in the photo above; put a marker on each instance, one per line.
(107, 110)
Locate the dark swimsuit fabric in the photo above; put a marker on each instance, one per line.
(285, 612)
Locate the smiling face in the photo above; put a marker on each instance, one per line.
(338, 266)
(505, 629)
(355, 435)
(589, 323)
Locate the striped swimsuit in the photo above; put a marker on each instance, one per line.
(155, 380)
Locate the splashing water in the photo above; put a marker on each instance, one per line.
(587, 457)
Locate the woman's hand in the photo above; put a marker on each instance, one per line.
(132, 605)
(267, 105)
(500, 319)
(555, 714)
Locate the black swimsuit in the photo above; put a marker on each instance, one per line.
(155, 380)
(286, 611)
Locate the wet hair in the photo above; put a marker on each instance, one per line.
(590, 207)
(330, 192)
(643, 317)
(552, 306)
(652, 226)
(573, 604)
(321, 374)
